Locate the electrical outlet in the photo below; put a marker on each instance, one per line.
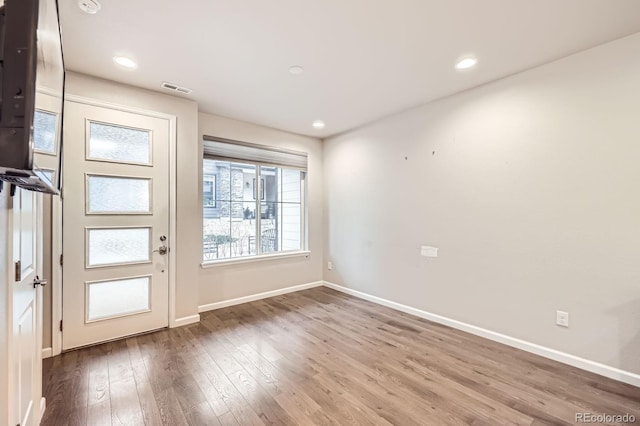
(428, 251)
(562, 318)
(329, 265)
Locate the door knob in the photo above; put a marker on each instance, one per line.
(37, 281)
(162, 250)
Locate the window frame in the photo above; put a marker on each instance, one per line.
(213, 178)
(303, 251)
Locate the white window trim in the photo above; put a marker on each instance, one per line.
(304, 213)
(257, 258)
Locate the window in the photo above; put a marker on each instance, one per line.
(253, 200)
(209, 190)
(44, 131)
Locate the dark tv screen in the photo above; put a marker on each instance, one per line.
(32, 98)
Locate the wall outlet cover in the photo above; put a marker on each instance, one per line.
(562, 318)
(428, 251)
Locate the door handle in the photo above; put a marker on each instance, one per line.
(162, 250)
(37, 281)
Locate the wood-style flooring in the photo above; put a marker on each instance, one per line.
(319, 357)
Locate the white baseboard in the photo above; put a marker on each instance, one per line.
(43, 406)
(259, 296)
(191, 319)
(565, 358)
(47, 353)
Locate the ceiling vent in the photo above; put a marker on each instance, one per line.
(176, 88)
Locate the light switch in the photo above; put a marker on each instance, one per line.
(428, 251)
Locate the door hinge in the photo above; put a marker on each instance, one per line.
(18, 271)
(61, 260)
(60, 325)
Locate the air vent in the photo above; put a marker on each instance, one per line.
(15, 180)
(176, 88)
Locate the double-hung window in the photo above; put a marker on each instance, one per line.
(253, 200)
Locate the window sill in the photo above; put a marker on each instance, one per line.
(250, 259)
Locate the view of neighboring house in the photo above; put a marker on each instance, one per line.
(232, 227)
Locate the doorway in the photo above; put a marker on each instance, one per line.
(116, 223)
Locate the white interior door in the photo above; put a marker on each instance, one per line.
(27, 308)
(115, 224)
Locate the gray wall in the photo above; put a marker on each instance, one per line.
(237, 280)
(530, 187)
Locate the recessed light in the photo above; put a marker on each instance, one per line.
(89, 6)
(466, 63)
(296, 70)
(318, 124)
(125, 61)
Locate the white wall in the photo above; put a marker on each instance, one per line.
(530, 187)
(238, 280)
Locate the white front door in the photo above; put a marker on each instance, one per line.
(115, 224)
(27, 308)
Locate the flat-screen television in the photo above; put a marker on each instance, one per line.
(31, 95)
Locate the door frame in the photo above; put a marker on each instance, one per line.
(56, 222)
(8, 352)
(40, 300)
(38, 407)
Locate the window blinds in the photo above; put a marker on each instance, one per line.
(243, 151)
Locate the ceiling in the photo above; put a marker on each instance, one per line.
(363, 59)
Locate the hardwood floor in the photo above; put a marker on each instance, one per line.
(319, 357)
